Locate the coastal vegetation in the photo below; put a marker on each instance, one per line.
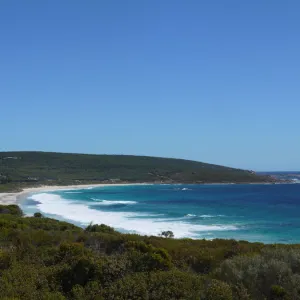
(42, 258)
(21, 169)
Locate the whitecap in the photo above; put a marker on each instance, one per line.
(127, 221)
(203, 216)
(111, 202)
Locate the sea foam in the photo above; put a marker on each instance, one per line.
(111, 202)
(128, 221)
(190, 215)
(204, 216)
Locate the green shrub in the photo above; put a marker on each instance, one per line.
(11, 209)
(99, 228)
(133, 287)
(25, 281)
(218, 290)
(77, 292)
(175, 284)
(93, 291)
(37, 215)
(259, 273)
(42, 258)
(277, 293)
(114, 268)
(157, 286)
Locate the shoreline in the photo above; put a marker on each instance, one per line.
(8, 198)
(16, 197)
(84, 217)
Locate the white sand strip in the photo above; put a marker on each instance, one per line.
(14, 198)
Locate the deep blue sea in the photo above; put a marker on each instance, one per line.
(267, 213)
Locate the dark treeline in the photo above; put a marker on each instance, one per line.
(42, 258)
(18, 169)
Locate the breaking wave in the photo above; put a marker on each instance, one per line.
(135, 222)
(111, 202)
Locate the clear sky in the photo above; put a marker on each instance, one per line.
(214, 81)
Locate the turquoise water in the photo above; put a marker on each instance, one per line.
(263, 213)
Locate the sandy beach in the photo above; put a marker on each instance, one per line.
(14, 198)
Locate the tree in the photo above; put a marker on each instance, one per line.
(167, 234)
(38, 215)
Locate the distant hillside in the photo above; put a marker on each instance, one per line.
(63, 168)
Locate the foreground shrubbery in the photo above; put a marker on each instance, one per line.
(41, 258)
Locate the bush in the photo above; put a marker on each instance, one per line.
(25, 280)
(167, 234)
(99, 228)
(77, 292)
(175, 285)
(45, 259)
(157, 286)
(133, 287)
(93, 291)
(261, 274)
(145, 257)
(218, 290)
(114, 268)
(38, 215)
(11, 209)
(277, 293)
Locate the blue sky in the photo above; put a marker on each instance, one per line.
(214, 81)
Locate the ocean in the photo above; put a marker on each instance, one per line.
(268, 213)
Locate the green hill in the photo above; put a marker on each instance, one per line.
(63, 168)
